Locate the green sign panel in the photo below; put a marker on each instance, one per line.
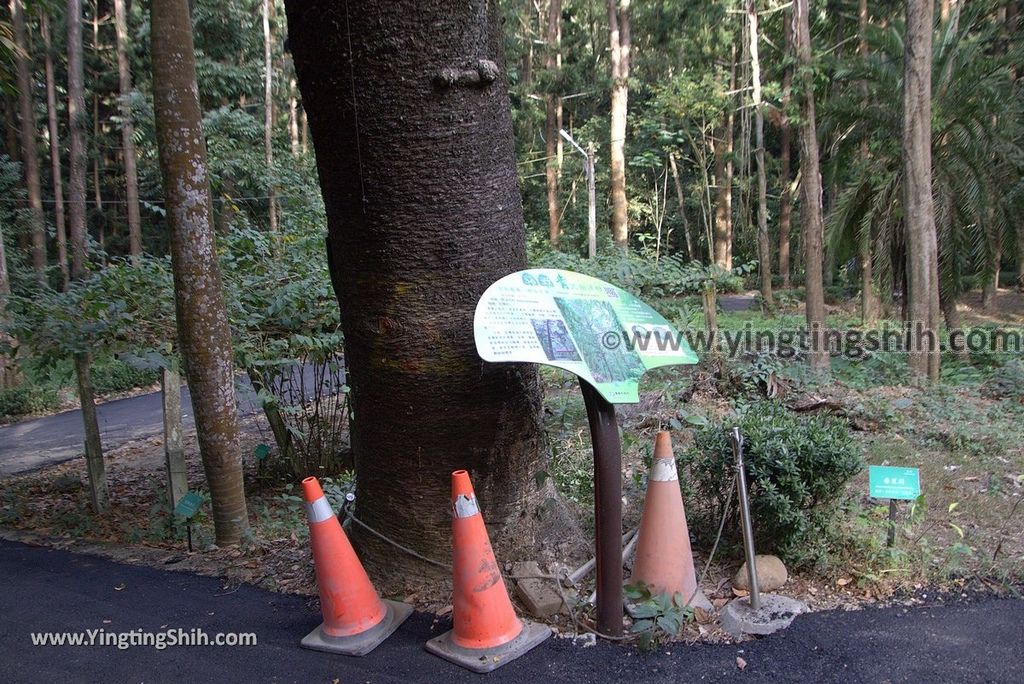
(188, 505)
(581, 324)
(886, 482)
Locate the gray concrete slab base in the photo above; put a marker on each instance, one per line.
(776, 612)
(488, 659)
(363, 643)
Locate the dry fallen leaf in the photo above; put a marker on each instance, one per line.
(843, 581)
(740, 592)
(741, 663)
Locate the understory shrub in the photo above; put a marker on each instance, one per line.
(111, 375)
(797, 467)
(20, 401)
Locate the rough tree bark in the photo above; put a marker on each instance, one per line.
(810, 195)
(553, 123)
(131, 177)
(76, 139)
(764, 250)
(723, 179)
(681, 198)
(918, 208)
(29, 157)
(620, 38)
(203, 330)
(60, 223)
(409, 114)
(785, 191)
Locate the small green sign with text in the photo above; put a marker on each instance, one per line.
(188, 506)
(887, 482)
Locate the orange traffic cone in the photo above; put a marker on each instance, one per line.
(356, 620)
(664, 561)
(487, 633)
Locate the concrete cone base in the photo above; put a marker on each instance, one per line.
(488, 659)
(776, 612)
(699, 601)
(364, 642)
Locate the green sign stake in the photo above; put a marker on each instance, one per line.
(886, 482)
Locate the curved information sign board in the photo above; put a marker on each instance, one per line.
(581, 324)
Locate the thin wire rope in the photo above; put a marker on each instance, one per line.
(355, 107)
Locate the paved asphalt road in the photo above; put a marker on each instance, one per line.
(50, 590)
(38, 442)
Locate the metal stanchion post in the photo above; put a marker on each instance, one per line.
(748, 527)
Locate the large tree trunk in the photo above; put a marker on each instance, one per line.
(417, 168)
(764, 250)
(203, 330)
(553, 124)
(723, 180)
(268, 122)
(29, 157)
(60, 222)
(918, 208)
(785, 191)
(810, 195)
(619, 33)
(131, 177)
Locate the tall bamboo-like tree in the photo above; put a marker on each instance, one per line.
(723, 178)
(620, 36)
(203, 330)
(918, 207)
(785, 153)
(553, 123)
(60, 222)
(394, 132)
(131, 177)
(29, 155)
(868, 300)
(764, 250)
(268, 120)
(810, 193)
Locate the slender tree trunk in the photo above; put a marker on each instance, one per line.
(408, 270)
(553, 124)
(60, 222)
(682, 205)
(868, 298)
(79, 255)
(293, 116)
(76, 141)
(723, 180)
(96, 187)
(810, 195)
(786, 191)
(991, 288)
(619, 32)
(918, 208)
(268, 122)
(203, 330)
(131, 177)
(10, 129)
(764, 250)
(29, 156)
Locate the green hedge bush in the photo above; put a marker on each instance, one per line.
(797, 469)
(20, 401)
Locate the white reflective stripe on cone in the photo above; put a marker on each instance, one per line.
(465, 506)
(664, 470)
(319, 510)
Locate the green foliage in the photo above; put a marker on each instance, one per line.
(20, 401)
(797, 468)
(656, 617)
(112, 375)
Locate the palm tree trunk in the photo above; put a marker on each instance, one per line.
(785, 193)
(131, 177)
(810, 196)
(203, 330)
(553, 122)
(408, 270)
(29, 157)
(868, 298)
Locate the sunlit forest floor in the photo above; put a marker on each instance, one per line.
(965, 433)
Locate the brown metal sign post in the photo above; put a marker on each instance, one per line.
(604, 436)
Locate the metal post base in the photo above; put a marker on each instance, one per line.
(488, 659)
(364, 642)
